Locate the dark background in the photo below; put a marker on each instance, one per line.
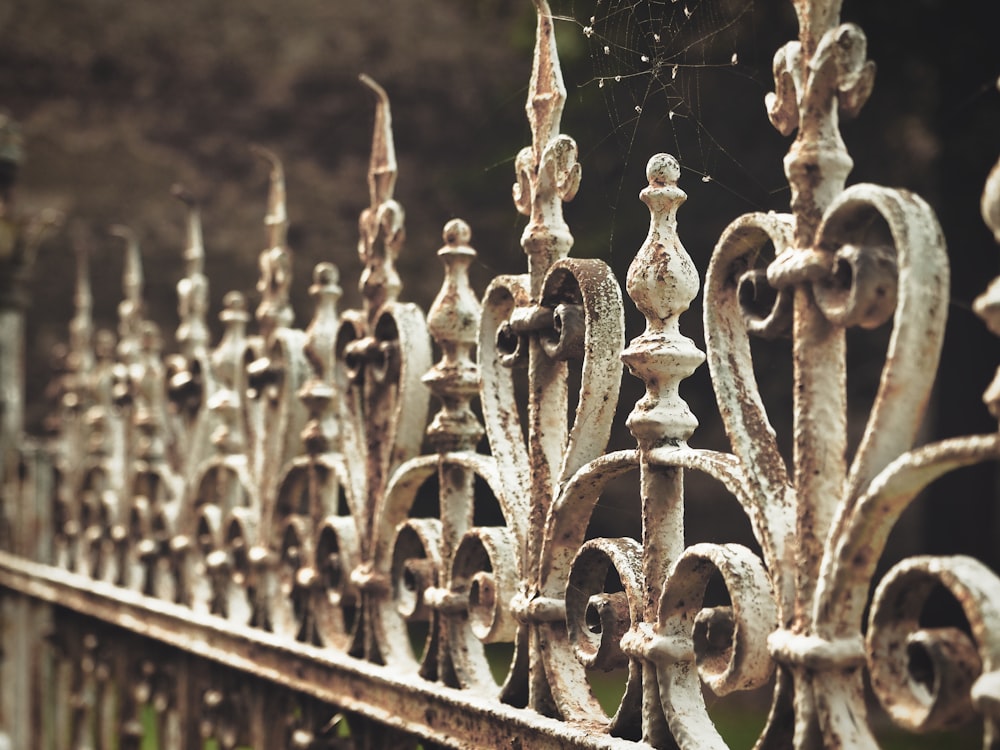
(119, 100)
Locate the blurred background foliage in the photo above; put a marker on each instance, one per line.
(118, 100)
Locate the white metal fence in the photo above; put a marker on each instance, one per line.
(231, 544)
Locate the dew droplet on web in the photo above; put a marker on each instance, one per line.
(588, 31)
(671, 115)
(687, 13)
(656, 38)
(607, 50)
(618, 79)
(645, 58)
(706, 178)
(673, 73)
(735, 59)
(638, 109)
(600, 83)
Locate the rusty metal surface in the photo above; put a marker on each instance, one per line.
(241, 530)
(454, 718)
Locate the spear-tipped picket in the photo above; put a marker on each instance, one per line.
(382, 170)
(547, 92)
(548, 172)
(381, 224)
(130, 309)
(192, 290)
(274, 310)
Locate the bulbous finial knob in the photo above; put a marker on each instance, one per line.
(662, 281)
(453, 321)
(318, 392)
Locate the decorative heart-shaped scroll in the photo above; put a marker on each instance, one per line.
(882, 230)
(581, 304)
(726, 331)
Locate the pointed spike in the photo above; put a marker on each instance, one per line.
(194, 253)
(546, 92)
(274, 310)
(548, 172)
(277, 215)
(192, 290)
(132, 279)
(130, 308)
(382, 169)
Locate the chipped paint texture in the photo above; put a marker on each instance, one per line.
(384, 517)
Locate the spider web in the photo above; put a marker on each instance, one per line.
(662, 66)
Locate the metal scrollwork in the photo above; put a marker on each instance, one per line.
(287, 493)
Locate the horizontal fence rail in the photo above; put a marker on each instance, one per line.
(275, 541)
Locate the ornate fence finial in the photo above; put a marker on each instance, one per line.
(274, 310)
(319, 392)
(381, 224)
(825, 71)
(130, 309)
(546, 90)
(192, 290)
(547, 172)
(662, 281)
(453, 321)
(382, 171)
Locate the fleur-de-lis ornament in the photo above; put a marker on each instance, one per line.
(564, 312)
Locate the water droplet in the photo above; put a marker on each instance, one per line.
(607, 50)
(645, 58)
(656, 38)
(706, 178)
(638, 109)
(735, 58)
(673, 73)
(618, 79)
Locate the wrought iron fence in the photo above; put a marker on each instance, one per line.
(233, 544)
